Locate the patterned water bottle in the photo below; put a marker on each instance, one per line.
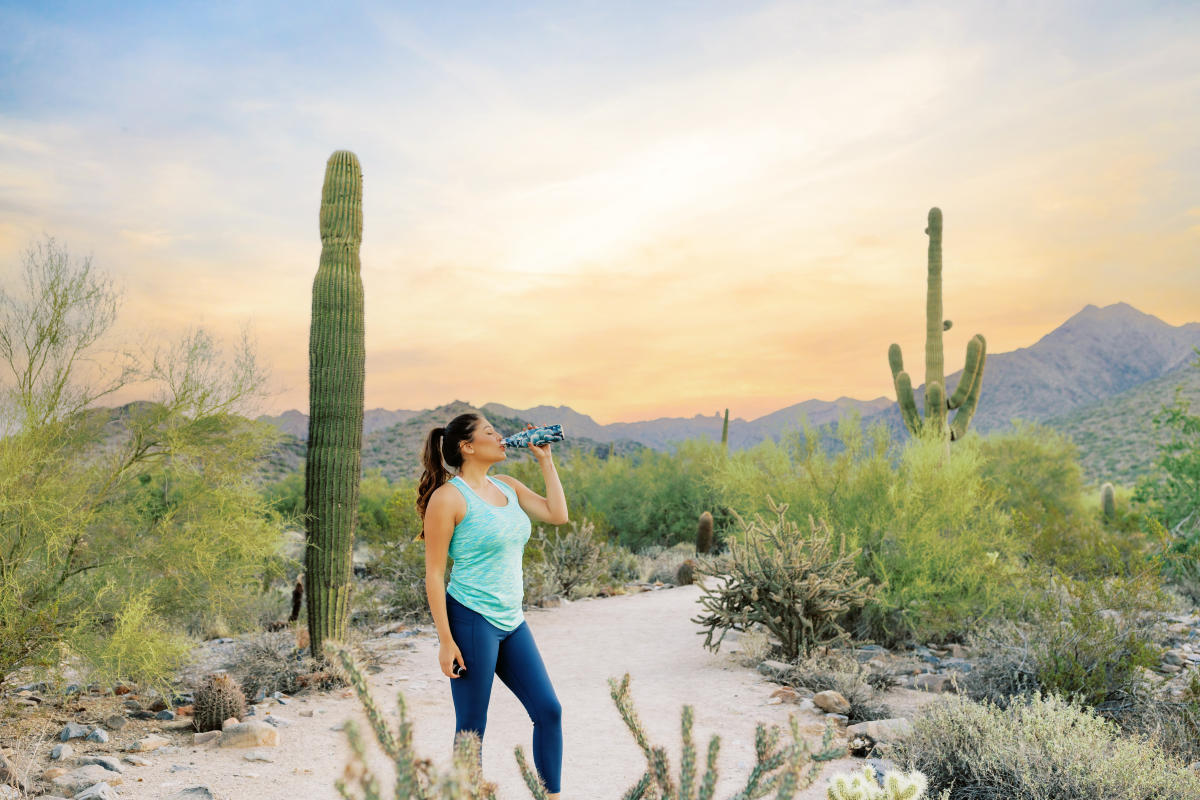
(535, 436)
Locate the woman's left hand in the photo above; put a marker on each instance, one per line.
(540, 451)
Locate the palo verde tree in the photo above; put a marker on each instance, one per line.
(336, 371)
(120, 528)
(966, 394)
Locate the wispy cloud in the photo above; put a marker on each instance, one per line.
(672, 210)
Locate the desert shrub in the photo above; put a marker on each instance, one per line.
(1086, 641)
(847, 482)
(661, 565)
(1035, 749)
(1171, 493)
(271, 662)
(1090, 642)
(575, 557)
(109, 514)
(401, 566)
(623, 565)
(945, 557)
(797, 585)
(842, 673)
(781, 767)
(646, 498)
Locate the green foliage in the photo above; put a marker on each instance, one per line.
(336, 374)
(798, 586)
(637, 501)
(944, 556)
(1033, 473)
(1035, 749)
(115, 519)
(1172, 491)
(138, 646)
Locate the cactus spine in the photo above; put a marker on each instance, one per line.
(725, 431)
(704, 533)
(217, 699)
(1108, 501)
(336, 367)
(966, 395)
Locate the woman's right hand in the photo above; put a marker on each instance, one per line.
(448, 653)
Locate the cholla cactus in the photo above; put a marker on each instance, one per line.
(798, 586)
(781, 769)
(865, 786)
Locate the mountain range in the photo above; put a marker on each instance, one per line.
(1099, 377)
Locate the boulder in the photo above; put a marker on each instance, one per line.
(831, 702)
(148, 743)
(80, 779)
(883, 730)
(250, 734)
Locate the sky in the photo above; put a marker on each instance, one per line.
(633, 209)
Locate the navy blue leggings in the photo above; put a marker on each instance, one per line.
(513, 655)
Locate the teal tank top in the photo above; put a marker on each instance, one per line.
(487, 547)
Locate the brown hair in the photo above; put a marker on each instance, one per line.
(441, 449)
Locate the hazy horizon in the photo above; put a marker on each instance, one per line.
(637, 212)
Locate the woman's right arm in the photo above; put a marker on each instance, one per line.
(439, 527)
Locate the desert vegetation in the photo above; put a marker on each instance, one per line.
(129, 535)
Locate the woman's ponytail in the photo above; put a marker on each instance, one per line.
(441, 450)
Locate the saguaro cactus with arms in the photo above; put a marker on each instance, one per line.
(966, 394)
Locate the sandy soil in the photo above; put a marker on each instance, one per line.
(647, 634)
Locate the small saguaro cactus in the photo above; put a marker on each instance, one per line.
(1108, 501)
(218, 698)
(725, 431)
(336, 373)
(966, 394)
(704, 533)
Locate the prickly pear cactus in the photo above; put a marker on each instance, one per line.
(218, 698)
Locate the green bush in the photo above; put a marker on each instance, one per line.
(945, 556)
(112, 520)
(1086, 641)
(1036, 749)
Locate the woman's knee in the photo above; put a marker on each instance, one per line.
(549, 712)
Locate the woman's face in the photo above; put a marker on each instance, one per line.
(486, 443)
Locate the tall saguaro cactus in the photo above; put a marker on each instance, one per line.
(336, 370)
(966, 394)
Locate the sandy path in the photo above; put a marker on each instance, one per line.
(647, 634)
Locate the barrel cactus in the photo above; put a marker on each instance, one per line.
(218, 698)
(966, 394)
(336, 371)
(704, 533)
